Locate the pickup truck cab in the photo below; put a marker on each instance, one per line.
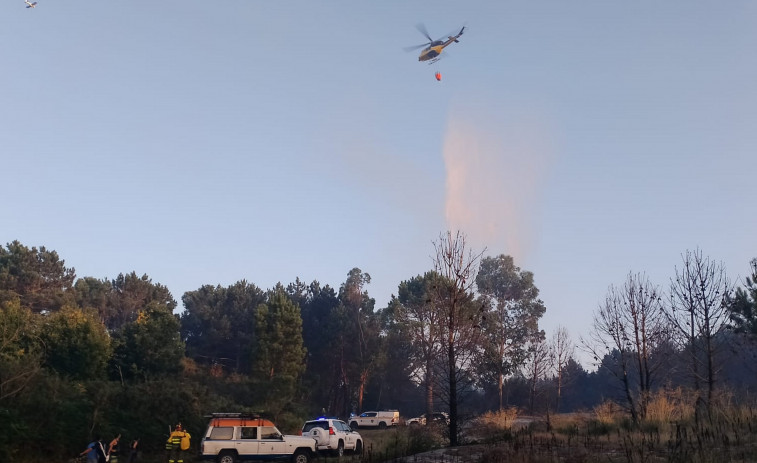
(234, 437)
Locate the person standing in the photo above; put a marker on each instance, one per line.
(94, 451)
(133, 450)
(102, 456)
(113, 449)
(177, 443)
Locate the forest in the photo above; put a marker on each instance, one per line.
(82, 356)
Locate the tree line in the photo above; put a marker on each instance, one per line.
(81, 356)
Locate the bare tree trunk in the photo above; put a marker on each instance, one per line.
(699, 298)
(457, 267)
(500, 388)
(537, 365)
(429, 391)
(559, 390)
(630, 325)
(452, 387)
(629, 396)
(562, 349)
(361, 389)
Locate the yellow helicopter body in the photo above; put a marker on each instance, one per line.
(435, 47)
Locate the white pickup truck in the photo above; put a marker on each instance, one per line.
(234, 437)
(381, 419)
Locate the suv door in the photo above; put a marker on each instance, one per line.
(346, 431)
(247, 443)
(271, 442)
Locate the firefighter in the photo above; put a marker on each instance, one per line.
(176, 444)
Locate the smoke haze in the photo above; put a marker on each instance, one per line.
(495, 167)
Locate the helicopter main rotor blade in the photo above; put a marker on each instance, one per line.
(422, 29)
(416, 47)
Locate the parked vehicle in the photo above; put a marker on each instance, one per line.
(380, 419)
(333, 436)
(436, 417)
(233, 437)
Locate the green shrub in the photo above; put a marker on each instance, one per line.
(424, 438)
(598, 428)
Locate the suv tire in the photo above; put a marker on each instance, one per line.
(354, 426)
(227, 456)
(339, 452)
(358, 448)
(301, 456)
(382, 425)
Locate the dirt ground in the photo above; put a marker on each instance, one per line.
(465, 454)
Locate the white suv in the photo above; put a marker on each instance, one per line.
(436, 417)
(233, 437)
(332, 435)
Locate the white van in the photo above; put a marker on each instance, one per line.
(381, 419)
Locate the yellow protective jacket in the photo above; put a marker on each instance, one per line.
(178, 440)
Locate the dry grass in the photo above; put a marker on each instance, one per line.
(600, 435)
(400, 441)
(608, 412)
(500, 420)
(569, 423)
(669, 405)
(730, 437)
(670, 434)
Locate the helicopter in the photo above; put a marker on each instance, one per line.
(30, 5)
(433, 48)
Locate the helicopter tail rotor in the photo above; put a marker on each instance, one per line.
(459, 34)
(455, 37)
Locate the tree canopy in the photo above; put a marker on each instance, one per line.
(109, 356)
(37, 276)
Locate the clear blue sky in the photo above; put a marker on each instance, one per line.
(206, 142)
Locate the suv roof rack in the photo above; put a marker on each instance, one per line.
(253, 416)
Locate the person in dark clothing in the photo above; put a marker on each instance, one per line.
(102, 454)
(95, 451)
(133, 450)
